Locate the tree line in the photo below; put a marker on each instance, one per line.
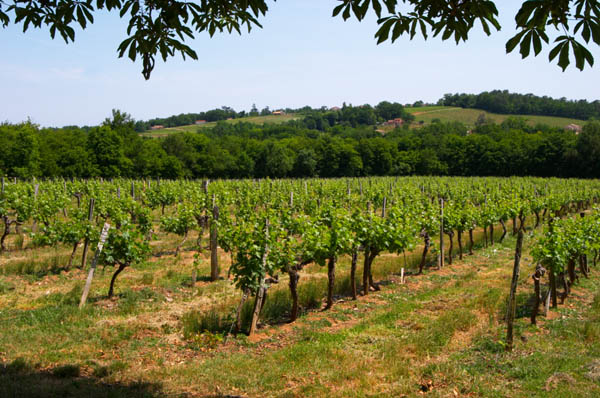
(351, 115)
(498, 101)
(296, 149)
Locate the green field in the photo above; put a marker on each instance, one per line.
(273, 119)
(469, 116)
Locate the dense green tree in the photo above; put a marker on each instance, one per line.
(387, 110)
(64, 153)
(152, 160)
(306, 163)
(588, 147)
(106, 148)
(24, 157)
(275, 160)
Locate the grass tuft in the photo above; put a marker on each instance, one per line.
(196, 323)
(438, 333)
(66, 371)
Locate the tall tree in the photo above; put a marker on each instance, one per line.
(106, 147)
(588, 147)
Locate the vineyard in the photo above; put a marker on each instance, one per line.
(233, 262)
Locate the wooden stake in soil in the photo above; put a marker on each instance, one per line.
(86, 243)
(512, 304)
(194, 276)
(441, 257)
(214, 255)
(238, 316)
(88, 282)
(353, 272)
(547, 302)
(36, 191)
(539, 272)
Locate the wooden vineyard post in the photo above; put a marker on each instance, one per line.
(194, 276)
(64, 210)
(262, 289)
(552, 276)
(132, 190)
(118, 192)
(36, 191)
(238, 316)
(353, 272)
(547, 302)
(86, 243)
(512, 303)
(539, 272)
(214, 255)
(441, 256)
(383, 208)
(367, 251)
(88, 282)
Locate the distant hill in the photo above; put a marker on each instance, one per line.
(424, 115)
(469, 116)
(259, 120)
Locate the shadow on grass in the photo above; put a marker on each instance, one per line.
(20, 380)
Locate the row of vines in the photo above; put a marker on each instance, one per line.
(277, 227)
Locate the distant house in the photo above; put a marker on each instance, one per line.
(574, 127)
(200, 122)
(157, 127)
(394, 122)
(335, 109)
(280, 112)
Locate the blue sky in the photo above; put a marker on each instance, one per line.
(302, 56)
